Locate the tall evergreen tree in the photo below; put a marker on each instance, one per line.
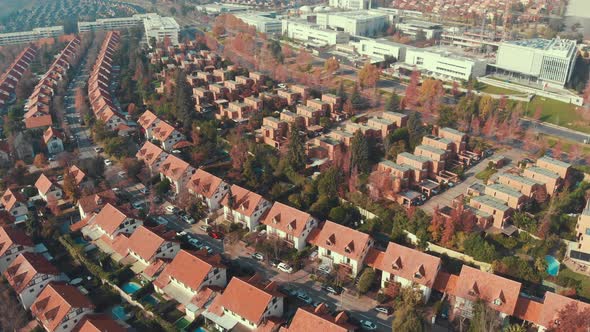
(392, 103)
(183, 101)
(296, 151)
(359, 156)
(355, 98)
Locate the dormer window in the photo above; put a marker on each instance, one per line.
(498, 302)
(420, 273)
(397, 264)
(331, 240)
(474, 291)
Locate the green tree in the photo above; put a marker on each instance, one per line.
(296, 151)
(355, 98)
(407, 319)
(183, 107)
(392, 103)
(484, 318)
(163, 187)
(416, 129)
(514, 328)
(366, 280)
(342, 92)
(359, 153)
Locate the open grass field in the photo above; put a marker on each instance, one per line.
(496, 90)
(559, 113)
(585, 281)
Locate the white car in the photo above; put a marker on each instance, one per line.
(176, 151)
(282, 85)
(368, 325)
(181, 233)
(188, 219)
(98, 149)
(285, 268)
(122, 174)
(258, 256)
(108, 162)
(326, 268)
(171, 209)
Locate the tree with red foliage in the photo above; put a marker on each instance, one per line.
(431, 94)
(571, 318)
(448, 232)
(436, 225)
(353, 180)
(575, 152)
(455, 89)
(411, 98)
(369, 75)
(381, 185)
(489, 127)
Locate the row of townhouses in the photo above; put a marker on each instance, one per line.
(13, 74)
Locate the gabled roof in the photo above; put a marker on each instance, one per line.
(474, 284)
(38, 121)
(188, 268)
(246, 298)
(410, 264)
(10, 198)
(11, 236)
(204, 183)
(245, 201)
(147, 119)
(56, 301)
(110, 218)
(92, 203)
(145, 242)
(25, 268)
(163, 130)
(174, 167)
(98, 323)
(51, 133)
(77, 174)
(43, 184)
(287, 219)
(553, 304)
(318, 319)
(340, 239)
(149, 153)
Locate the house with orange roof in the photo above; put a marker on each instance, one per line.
(48, 188)
(167, 135)
(95, 202)
(98, 323)
(15, 204)
(496, 292)
(545, 315)
(208, 187)
(152, 155)
(247, 304)
(177, 171)
(112, 221)
(148, 121)
(53, 139)
(188, 273)
(338, 244)
(289, 224)
(78, 175)
(149, 244)
(319, 319)
(60, 307)
(408, 267)
(28, 275)
(244, 206)
(13, 242)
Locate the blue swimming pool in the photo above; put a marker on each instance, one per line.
(200, 329)
(130, 287)
(552, 265)
(150, 299)
(118, 313)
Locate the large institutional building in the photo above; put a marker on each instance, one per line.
(549, 62)
(313, 34)
(263, 22)
(156, 27)
(358, 23)
(350, 4)
(445, 63)
(30, 36)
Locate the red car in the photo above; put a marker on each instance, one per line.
(216, 235)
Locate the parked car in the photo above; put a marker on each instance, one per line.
(122, 174)
(51, 159)
(304, 297)
(196, 243)
(275, 262)
(188, 219)
(216, 235)
(176, 151)
(97, 149)
(325, 268)
(258, 256)
(137, 205)
(336, 290)
(143, 190)
(171, 209)
(108, 162)
(384, 309)
(285, 268)
(205, 228)
(208, 248)
(161, 220)
(181, 233)
(368, 325)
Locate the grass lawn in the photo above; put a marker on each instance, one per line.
(496, 90)
(485, 174)
(558, 113)
(567, 144)
(584, 280)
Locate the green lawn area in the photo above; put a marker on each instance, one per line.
(584, 280)
(559, 113)
(496, 90)
(485, 174)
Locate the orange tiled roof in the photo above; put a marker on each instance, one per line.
(11, 236)
(110, 218)
(43, 184)
(145, 242)
(410, 264)
(188, 268)
(25, 268)
(149, 153)
(77, 174)
(341, 239)
(163, 130)
(38, 121)
(147, 119)
(245, 201)
(174, 167)
(553, 304)
(50, 133)
(92, 203)
(55, 302)
(10, 198)
(98, 323)
(204, 183)
(318, 319)
(287, 219)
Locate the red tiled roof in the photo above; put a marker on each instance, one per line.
(38, 121)
(110, 218)
(50, 133)
(553, 304)
(146, 119)
(318, 319)
(445, 282)
(163, 130)
(92, 203)
(245, 201)
(155, 267)
(474, 284)
(145, 242)
(182, 144)
(410, 264)
(204, 183)
(174, 167)
(82, 223)
(98, 323)
(188, 268)
(287, 219)
(43, 184)
(77, 174)
(341, 239)
(528, 309)
(25, 268)
(11, 236)
(149, 153)
(55, 302)
(374, 258)
(10, 198)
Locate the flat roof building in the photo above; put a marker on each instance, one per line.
(412, 28)
(358, 23)
(379, 49)
(545, 61)
(445, 63)
(313, 34)
(350, 4)
(23, 37)
(263, 22)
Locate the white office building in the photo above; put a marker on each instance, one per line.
(221, 8)
(379, 49)
(412, 28)
(313, 34)
(22, 37)
(118, 23)
(549, 62)
(350, 4)
(445, 64)
(359, 23)
(263, 22)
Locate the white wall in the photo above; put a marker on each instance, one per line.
(29, 294)
(8, 258)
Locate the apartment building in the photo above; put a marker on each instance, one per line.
(581, 251)
(313, 34)
(177, 171)
(13, 242)
(560, 167)
(288, 224)
(513, 198)
(356, 23)
(274, 131)
(421, 166)
(438, 156)
(12, 75)
(47, 189)
(530, 188)
(243, 206)
(237, 111)
(208, 187)
(397, 171)
(60, 307)
(341, 245)
(24, 37)
(445, 63)
(496, 208)
(380, 49)
(334, 101)
(550, 179)
(413, 28)
(28, 275)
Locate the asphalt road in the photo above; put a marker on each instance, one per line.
(554, 130)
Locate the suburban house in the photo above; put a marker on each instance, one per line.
(188, 273)
(208, 187)
(28, 274)
(148, 245)
(15, 204)
(247, 304)
(338, 244)
(498, 293)
(60, 307)
(152, 155)
(48, 188)
(407, 267)
(13, 242)
(319, 319)
(112, 221)
(53, 139)
(289, 224)
(554, 165)
(78, 175)
(545, 314)
(498, 209)
(95, 202)
(98, 323)
(580, 250)
(148, 121)
(244, 206)
(177, 171)
(513, 198)
(167, 135)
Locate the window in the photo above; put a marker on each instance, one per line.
(587, 231)
(498, 302)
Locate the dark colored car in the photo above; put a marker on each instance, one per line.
(216, 235)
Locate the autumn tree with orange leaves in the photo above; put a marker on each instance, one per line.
(369, 75)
